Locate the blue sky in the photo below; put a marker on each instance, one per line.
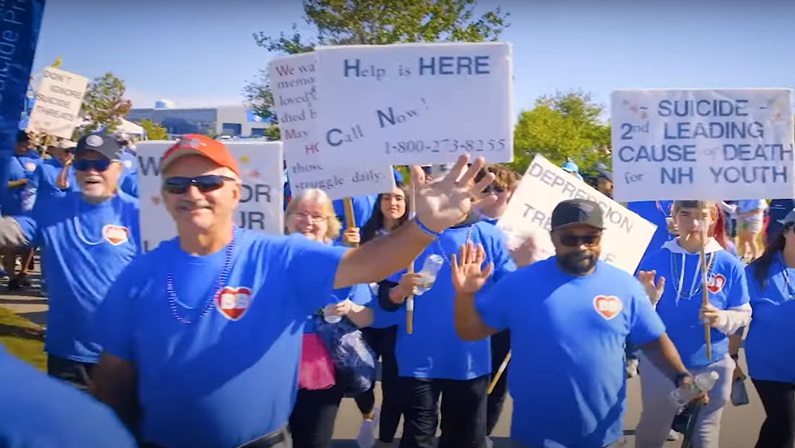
(201, 52)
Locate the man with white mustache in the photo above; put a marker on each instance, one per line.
(86, 238)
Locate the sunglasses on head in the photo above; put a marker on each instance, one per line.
(99, 165)
(205, 184)
(570, 240)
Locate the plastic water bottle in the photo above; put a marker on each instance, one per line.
(428, 273)
(703, 382)
(329, 317)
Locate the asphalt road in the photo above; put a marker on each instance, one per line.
(740, 426)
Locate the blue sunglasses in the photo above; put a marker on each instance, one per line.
(99, 165)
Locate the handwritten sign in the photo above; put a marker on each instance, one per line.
(543, 186)
(702, 144)
(295, 96)
(58, 99)
(260, 207)
(412, 104)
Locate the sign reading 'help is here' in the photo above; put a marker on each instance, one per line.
(414, 103)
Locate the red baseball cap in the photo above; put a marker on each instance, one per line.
(200, 145)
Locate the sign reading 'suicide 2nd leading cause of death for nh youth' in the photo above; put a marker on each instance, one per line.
(702, 144)
(414, 103)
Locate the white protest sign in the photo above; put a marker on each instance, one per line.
(294, 98)
(544, 185)
(261, 201)
(58, 100)
(412, 104)
(702, 144)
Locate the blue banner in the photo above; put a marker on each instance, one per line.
(20, 22)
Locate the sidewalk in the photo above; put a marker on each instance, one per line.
(30, 303)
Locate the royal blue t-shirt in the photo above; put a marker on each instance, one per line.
(16, 167)
(434, 350)
(727, 289)
(362, 208)
(44, 182)
(38, 412)
(567, 376)
(232, 375)
(84, 247)
(770, 344)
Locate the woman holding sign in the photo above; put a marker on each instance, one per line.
(672, 278)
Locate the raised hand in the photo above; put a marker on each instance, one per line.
(468, 275)
(653, 290)
(446, 202)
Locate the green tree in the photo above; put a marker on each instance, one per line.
(373, 22)
(561, 126)
(154, 131)
(104, 105)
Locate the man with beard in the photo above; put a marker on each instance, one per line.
(569, 316)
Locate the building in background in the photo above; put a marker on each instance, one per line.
(234, 121)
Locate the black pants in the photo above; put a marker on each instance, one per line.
(73, 372)
(313, 417)
(778, 399)
(500, 346)
(463, 412)
(382, 341)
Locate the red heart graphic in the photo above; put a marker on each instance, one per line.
(607, 306)
(715, 283)
(233, 302)
(115, 235)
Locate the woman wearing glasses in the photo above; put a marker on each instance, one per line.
(311, 214)
(672, 278)
(771, 338)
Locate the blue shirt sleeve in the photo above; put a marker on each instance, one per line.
(14, 170)
(37, 176)
(494, 305)
(115, 320)
(29, 228)
(645, 324)
(311, 267)
(738, 293)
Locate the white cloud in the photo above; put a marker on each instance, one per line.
(145, 99)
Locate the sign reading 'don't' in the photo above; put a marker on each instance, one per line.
(295, 94)
(543, 186)
(58, 100)
(411, 104)
(702, 144)
(261, 202)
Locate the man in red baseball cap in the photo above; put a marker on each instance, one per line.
(202, 335)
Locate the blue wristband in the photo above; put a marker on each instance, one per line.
(426, 229)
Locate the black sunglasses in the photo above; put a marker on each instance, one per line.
(494, 189)
(570, 240)
(205, 184)
(99, 165)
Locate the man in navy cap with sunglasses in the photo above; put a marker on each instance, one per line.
(86, 238)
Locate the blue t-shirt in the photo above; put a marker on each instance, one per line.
(84, 248)
(434, 350)
(16, 167)
(567, 376)
(778, 210)
(38, 411)
(362, 209)
(232, 375)
(727, 289)
(770, 343)
(44, 186)
(655, 212)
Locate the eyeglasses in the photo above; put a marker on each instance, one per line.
(570, 240)
(494, 189)
(310, 217)
(99, 165)
(205, 184)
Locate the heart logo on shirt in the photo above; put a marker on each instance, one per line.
(607, 306)
(115, 235)
(715, 283)
(30, 166)
(233, 302)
